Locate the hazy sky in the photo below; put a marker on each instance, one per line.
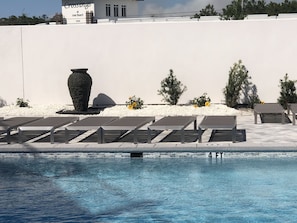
(50, 7)
(176, 6)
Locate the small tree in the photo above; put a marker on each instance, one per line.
(288, 92)
(238, 77)
(209, 10)
(171, 89)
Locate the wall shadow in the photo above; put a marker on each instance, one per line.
(2, 102)
(103, 101)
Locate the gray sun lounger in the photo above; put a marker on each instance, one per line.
(89, 123)
(268, 108)
(218, 123)
(129, 123)
(6, 125)
(173, 123)
(47, 124)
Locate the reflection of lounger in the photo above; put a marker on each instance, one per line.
(126, 123)
(6, 125)
(49, 124)
(90, 123)
(217, 123)
(173, 123)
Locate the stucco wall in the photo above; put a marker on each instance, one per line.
(132, 59)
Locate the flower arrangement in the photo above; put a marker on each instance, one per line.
(22, 103)
(134, 103)
(203, 100)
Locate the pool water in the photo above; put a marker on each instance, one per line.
(256, 189)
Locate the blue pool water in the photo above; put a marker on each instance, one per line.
(237, 189)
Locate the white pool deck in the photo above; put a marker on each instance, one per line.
(268, 137)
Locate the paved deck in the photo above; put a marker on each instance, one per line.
(268, 137)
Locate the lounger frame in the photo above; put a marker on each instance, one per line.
(89, 123)
(268, 108)
(50, 124)
(129, 123)
(7, 125)
(218, 123)
(173, 123)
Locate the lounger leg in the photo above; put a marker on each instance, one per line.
(101, 136)
(195, 125)
(135, 136)
(52, 136)
(200, 135)
(149, 136)
(8, 136)
(182, 136)
(255, 117)
(20, 135)
(294, 117)
(283, 118)
(234, 134)
(66, 136)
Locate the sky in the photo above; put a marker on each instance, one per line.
(51, 7)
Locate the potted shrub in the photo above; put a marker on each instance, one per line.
(288, 92)
(171, 89)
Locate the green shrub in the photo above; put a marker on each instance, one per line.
(238, 77)
(288, 92)
(171, 89)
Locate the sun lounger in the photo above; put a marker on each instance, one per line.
(129, 123)
(268, 108)
(293, 109)
(6, 125)
(89, 123)
(49, 124)
(217, 123)
(173, 123)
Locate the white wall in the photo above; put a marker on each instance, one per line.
(132, 59)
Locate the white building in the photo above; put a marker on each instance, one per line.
(88, 11)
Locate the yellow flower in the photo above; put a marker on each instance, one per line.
(195, 105)
(207, 104)
(262, 102)
(130, 106)
(134, 104)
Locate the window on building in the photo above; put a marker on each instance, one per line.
(107, 10)
(124, 11)
(116, 10)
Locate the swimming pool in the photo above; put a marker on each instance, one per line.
(199, 189)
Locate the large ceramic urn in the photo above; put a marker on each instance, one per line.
(79, 84)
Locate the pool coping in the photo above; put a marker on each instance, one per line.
(147, 148)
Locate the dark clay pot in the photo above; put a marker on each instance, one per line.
(79, 85)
